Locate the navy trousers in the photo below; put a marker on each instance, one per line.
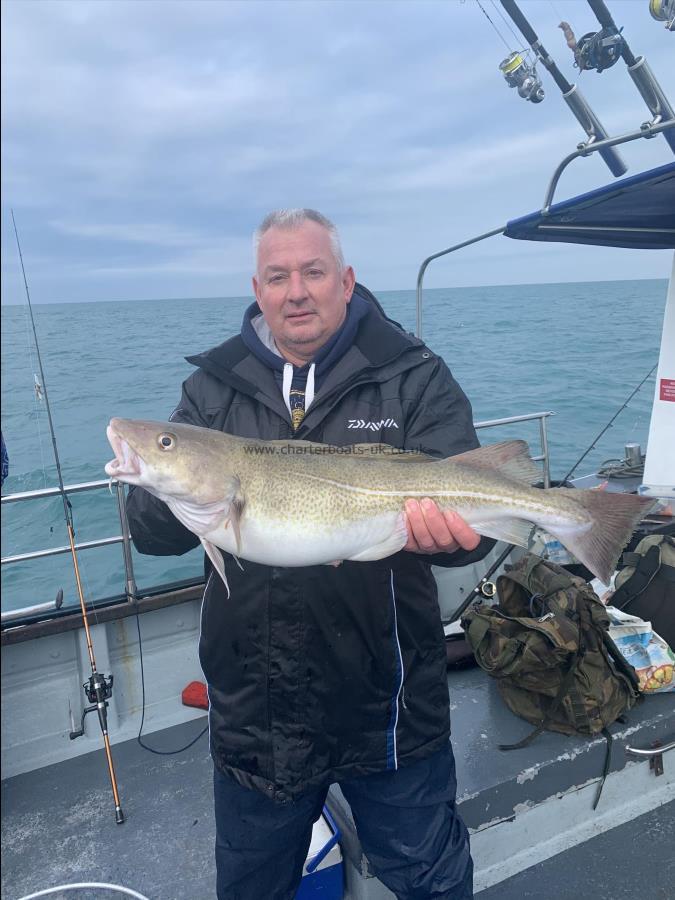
(406, 820)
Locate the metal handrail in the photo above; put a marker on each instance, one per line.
(55, 551)
(124, 538)
(425, 263)
(652, 751)
(586, 149)
(543, 436)
(56, 492)
(647, 130)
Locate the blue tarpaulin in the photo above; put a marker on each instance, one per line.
(635, 212)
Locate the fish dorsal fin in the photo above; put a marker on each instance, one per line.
(509, 458)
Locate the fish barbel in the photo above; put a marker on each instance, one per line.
(297, 503)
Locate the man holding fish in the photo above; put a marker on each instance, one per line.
(320, 673)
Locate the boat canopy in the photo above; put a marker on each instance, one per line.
(635, 212)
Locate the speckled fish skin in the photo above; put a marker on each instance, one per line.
(295, 503)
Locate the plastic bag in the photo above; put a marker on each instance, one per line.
(649, 654)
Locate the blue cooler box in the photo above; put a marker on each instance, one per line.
(323, 876)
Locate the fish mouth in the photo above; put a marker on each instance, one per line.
(127, 464)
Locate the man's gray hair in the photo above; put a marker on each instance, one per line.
(293, 218)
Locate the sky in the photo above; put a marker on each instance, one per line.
(143, 141)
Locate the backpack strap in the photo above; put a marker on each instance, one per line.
(646, 567)
(563, 689)
(608, 760)
(478, 627)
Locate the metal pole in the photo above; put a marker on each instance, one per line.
(132, 590)
(543, 436)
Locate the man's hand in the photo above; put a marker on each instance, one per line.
(432, 531)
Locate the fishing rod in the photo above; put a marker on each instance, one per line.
(608, 425)
(570, 92)
(99, 688)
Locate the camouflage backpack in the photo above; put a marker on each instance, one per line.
(548, 646)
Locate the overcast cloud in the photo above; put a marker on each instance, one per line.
(143, 141)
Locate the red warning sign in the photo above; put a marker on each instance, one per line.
(667, 389)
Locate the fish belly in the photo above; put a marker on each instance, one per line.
(291, 543)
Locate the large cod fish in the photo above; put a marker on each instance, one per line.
(296, 503)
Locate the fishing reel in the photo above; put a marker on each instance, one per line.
(663, 11)
(98, 690)
(522, 76)
(598, 50)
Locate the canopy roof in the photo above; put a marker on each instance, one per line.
(635, 212)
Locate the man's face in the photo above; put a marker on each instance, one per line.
(300, 289)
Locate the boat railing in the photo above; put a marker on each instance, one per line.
(124, 537)
(585, 149)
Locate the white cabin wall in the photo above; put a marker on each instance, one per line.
(659, 475)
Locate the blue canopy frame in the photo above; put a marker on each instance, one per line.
(637, 212)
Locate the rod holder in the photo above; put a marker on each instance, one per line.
(594, 129)
(652, 93)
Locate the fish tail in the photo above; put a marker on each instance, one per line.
(612, 519)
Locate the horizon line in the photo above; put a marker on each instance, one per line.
(377, 293)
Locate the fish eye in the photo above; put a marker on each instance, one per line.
(166, 441)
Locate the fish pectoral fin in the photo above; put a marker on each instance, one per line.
(216, 558)
(512, 530)
(390, 545)
(237, 504)
(510, 458)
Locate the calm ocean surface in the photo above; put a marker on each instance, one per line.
(575, 349)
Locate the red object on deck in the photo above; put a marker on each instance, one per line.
(195, 695)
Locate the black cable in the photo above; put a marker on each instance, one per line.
(140, 730)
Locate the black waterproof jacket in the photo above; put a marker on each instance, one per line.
(321, 673)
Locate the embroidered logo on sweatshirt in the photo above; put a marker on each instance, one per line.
(371, 426)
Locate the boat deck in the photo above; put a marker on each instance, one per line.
(59, 827)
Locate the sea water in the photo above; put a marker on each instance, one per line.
(575, 349)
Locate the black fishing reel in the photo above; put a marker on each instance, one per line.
(598, 50)
(521, 75)
(663, 11)
(98, 690)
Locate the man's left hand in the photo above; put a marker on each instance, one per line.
(431, 530)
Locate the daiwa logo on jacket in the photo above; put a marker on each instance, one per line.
(372, 426)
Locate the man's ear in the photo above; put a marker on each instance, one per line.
(348, 282)
(256, 289)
